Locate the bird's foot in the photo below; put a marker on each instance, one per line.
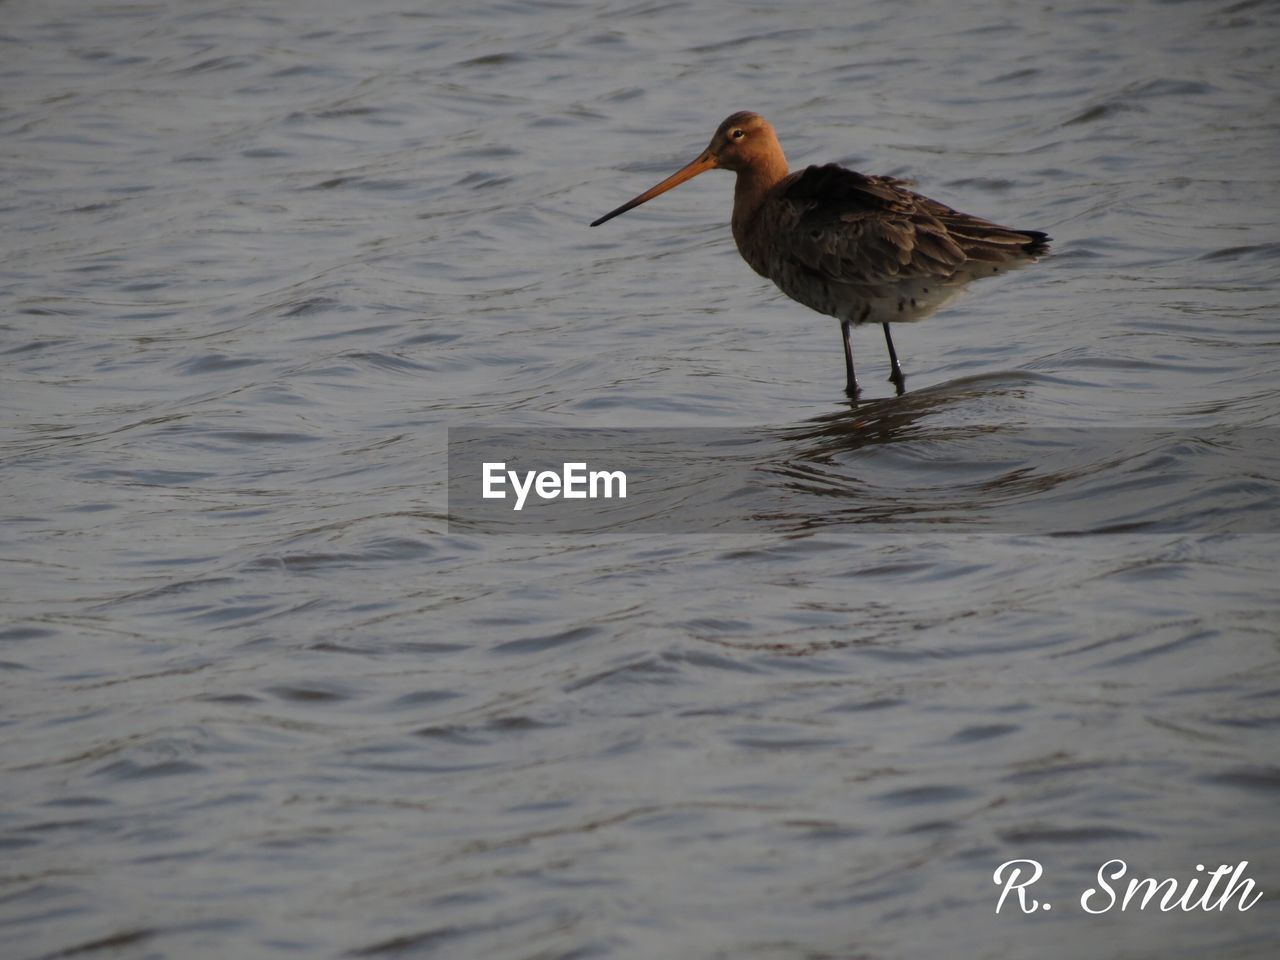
(898, 380)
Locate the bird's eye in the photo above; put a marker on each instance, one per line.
(737, 135)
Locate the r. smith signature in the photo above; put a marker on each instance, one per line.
(1015, 876)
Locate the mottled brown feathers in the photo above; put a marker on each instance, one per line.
(864, 230)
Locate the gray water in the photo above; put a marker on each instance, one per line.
(260, 699)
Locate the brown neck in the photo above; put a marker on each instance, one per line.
(754, 183)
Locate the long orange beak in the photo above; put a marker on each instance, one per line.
(706, 161)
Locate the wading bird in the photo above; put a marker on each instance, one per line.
(860, 248)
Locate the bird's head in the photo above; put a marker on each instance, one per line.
(743, 141)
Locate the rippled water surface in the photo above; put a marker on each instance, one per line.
(260, 699)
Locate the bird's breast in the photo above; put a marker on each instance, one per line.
(902, 301)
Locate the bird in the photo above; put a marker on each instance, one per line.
(862, 248)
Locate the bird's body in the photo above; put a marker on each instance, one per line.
(860, 248)
(866, 249)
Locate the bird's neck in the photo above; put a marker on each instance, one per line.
(754, 184)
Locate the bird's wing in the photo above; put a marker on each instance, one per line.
(852, 228)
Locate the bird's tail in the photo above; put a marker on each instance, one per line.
(1037, 242)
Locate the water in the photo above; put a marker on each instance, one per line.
(260, 699)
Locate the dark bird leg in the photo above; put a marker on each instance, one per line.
(851, 387)
(896, 377)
